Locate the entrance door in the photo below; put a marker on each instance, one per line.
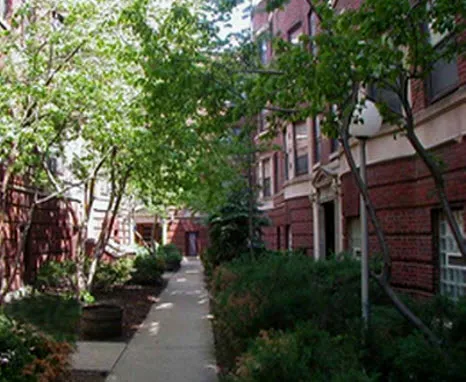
(329, 221)
(191, 242)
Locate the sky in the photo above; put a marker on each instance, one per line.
(238, 22)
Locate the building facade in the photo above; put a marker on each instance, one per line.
(186, 230)
(308, 191)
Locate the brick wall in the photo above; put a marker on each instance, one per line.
(180, 228)
(297, 214)
(50, 237)
(403, 193)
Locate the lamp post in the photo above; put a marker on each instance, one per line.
(365, 124)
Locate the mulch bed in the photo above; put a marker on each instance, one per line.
(136, 301)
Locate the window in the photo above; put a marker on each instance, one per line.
(334, 144)
(52, 164)
(275, 173)
(258, 177)
(386, 96)
(279, 239)
(263, 50)
(262, 121)
(294, 33)
(285, 157)
(443, 78)
(317, 140)
(3, 8)
(354, 233)
(312, 19)
(452, 265)
(444, 75)
(288, 238)
(300, 149)
(104, 188)
(266, 181)
(146, 232)
(236, 131)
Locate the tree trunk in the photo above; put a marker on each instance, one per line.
(114, 206)
(251, 195)
(431, 165)
(152, 236)
(440, 190)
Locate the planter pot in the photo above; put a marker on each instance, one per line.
(101, 321)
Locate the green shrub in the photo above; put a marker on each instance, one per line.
(56, 275)
(304, 354)
(143, 251)
(229, 230)
(171, 256)
(27, 355)
(275, 292)
(148, 269)
(55, 315)
(113, 273)
(401, 353)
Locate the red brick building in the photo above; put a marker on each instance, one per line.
(182, 228)
(308, 190)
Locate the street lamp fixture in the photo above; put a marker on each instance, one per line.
(365, 124)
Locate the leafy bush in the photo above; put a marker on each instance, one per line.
(148, 269)
(171, 256)
(56, 275)
(27, 355)
(276, 292)
(113, 273)
(304, 354)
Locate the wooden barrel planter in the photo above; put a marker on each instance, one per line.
(172, 266)
(101, 322)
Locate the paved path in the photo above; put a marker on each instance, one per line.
(175, 343)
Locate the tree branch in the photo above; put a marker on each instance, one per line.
(260, 71)
(62, 64)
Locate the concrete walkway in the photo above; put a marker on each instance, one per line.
(175, 343)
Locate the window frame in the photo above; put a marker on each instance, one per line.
(262, 121)
(334, 145)
(376, 94)
(286, 159)
(288, 238)
(297, 27)
(276, 166)
(354, 239)
(4, 15)
(297, 169)
(449, 252)
(312, 30)
(438, 42)
(432, 95)
(263, 47)
(266, 181)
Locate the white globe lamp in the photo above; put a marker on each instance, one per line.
(366, 122)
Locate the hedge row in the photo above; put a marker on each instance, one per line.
(289, 318)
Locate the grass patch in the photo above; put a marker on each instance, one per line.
(54, 315)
